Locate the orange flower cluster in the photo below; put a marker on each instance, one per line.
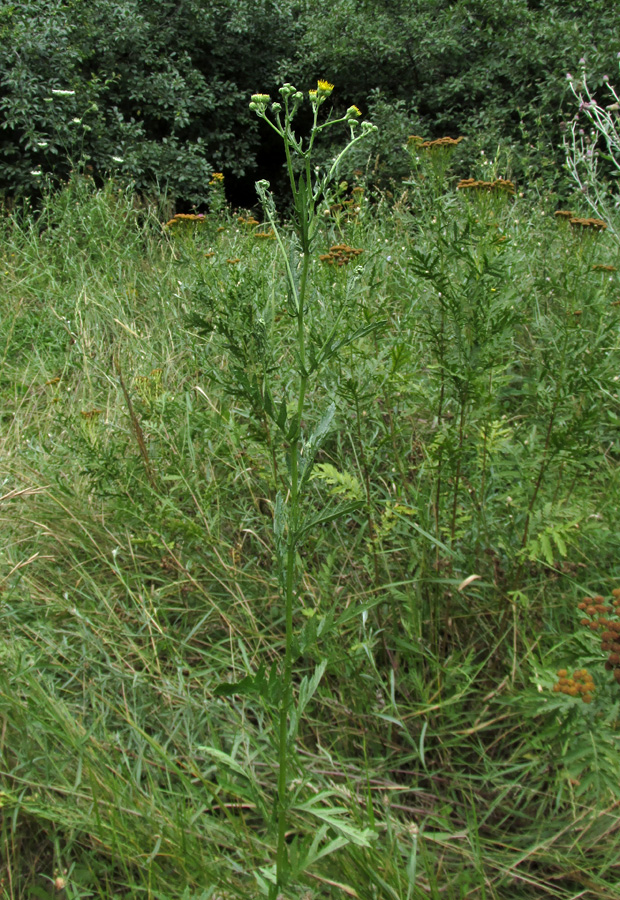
(265, 235)
(499, 185)
(580, 685)
(564, 214)
(597, 612)
(603, 268)
(340, 255)
(233, 261)
(439, 144)
(594, 224)
(250, 221)
(182, 218)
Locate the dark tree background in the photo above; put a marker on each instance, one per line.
(161, 89)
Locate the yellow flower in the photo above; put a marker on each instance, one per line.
(325, 87)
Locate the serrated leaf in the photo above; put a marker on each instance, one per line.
(545, 545)
(251, 684)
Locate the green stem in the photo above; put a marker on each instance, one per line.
(291, 556)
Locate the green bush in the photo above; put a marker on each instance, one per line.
(164, 87)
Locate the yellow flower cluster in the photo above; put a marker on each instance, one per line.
(322, 91)
(216, 178)
(340, 255)
(580, 685)
(443, 143)
(185, 218)
(566, 215)
(498, 186)
(250, 221)
(265, 235)
(593, 224)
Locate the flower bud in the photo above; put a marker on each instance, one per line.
(258, 102)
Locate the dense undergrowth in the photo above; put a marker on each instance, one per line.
(478, 431)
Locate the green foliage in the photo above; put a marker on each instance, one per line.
(146, 483)
(159, 89)
(157, 93)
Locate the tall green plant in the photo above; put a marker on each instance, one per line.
(294, 518)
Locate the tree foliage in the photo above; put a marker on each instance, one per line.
(164, 86)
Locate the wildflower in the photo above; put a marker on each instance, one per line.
(498, 186)
(217, 178)
(353, 113)
(438, 144)
(185, 218)
(259, 103)
(340, 255)
(587, 224)
(604, 268)
(233, 261)
(581, 684)
(324, 87)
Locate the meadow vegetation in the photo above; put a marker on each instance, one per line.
(449, 630)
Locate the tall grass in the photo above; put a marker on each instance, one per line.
(478, 436)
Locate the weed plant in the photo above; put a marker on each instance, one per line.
(473, 443)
